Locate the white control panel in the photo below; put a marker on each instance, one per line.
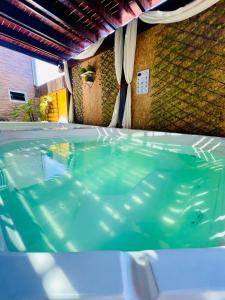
(142, 82)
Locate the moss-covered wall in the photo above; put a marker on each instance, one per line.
(109, 85)
(77, 94)
(94, 105)
(187, 65)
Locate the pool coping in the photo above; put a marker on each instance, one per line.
(204, 144)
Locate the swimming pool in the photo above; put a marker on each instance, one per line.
(112, 191)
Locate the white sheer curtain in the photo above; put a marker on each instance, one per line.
(90, 51)
(180, 14)
(118, 50)
(69, 87)
(128, 65)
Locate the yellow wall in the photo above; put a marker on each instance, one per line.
(58, 106)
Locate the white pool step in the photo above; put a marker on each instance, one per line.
(187, 274)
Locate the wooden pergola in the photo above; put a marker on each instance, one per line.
(59, 29)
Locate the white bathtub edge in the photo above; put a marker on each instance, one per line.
(196, 274)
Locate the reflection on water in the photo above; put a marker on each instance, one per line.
(27, 167)
(122, 194)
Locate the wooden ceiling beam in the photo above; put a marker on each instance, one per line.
(60, 29)
(127, 10)
(22, 9)
(141, 5)
(32, 24)
(60, 15)
(11, 29)
(17, 37)
(19, 46)
(149, 4)
(100, 11)
(76, 9)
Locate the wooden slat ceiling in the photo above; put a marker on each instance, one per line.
(59, 29)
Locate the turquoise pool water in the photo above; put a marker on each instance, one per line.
(110, 194)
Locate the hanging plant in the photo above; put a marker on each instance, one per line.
(89, 78)
(82, 71)
(90, 68)
(87, 74)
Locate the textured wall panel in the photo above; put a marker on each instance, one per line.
(187, 63)
(77, 94)
(109, 85)
(94, 105)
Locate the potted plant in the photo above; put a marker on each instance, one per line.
(87, 74)
(90, 68)
(82, 71)
(89, 78)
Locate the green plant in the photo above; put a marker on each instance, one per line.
(90, 68)
(81, 71)
(44, 105)
(89, 78)
(77, 93)
(24, 111)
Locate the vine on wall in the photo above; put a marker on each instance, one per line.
(109, 85)
(77, 94)
(189, 75)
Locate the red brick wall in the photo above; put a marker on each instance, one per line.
(15, 74)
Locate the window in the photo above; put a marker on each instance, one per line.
(17, 96)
